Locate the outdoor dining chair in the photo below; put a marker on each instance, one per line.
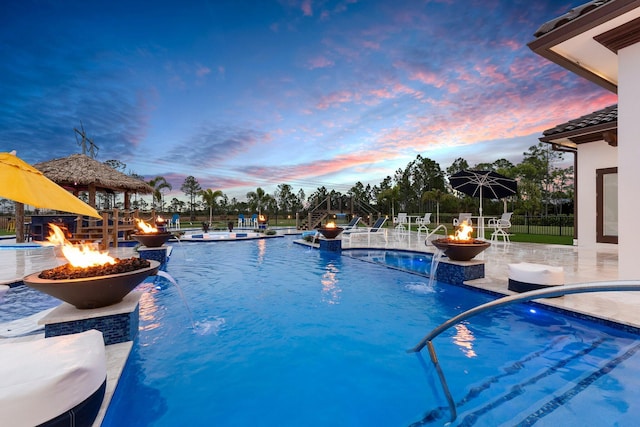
(501, 227)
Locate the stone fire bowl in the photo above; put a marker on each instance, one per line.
(152, 240)
(330, 233)
(460, 251)
(92, 292)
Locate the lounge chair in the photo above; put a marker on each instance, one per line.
(53, 381)
(376, 230)
(501, 227)
(353, 224)
(466, 216)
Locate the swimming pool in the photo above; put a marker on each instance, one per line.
(288, 336)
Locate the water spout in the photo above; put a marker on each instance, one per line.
(184, 300)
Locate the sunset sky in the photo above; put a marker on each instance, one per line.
(244, 94)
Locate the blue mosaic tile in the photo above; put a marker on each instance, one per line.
(332, 245)
(115, 328)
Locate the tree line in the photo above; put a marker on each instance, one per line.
(545, 186)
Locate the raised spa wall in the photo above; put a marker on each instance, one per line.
(454, 272)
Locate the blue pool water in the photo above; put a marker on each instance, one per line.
(284, 335)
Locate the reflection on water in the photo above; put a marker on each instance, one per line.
(262, 250)
(464, 339)
(148, 309)
(330, 289)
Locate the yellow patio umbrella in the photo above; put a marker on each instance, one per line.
(25, 184)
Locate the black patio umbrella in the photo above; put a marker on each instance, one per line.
(483, 184)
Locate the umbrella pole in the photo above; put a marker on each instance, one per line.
(481, 219)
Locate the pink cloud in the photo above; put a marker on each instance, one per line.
(334, 98)
(319, 62)
(306, 7)
(202, 71)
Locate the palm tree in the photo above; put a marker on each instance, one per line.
(437, 196)
(258, 199)
(209, 198)
(159, 183)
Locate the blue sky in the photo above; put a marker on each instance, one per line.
(245, 94)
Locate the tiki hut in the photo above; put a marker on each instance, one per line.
(80, 172)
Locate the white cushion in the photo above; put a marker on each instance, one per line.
(44, 378)
(538, 274)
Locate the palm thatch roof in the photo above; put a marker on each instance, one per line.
(79, 172)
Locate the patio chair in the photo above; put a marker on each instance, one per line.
(240, 220)
(501, 227)
(423, 223)
(175, 221)
(466, 216)
(401, 220)
(376, 231)
(254, 220)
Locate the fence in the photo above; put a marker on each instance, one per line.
(549, 225)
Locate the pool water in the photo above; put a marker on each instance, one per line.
(408, 261)
(277, 334)
(22, 301)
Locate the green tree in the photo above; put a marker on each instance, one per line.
(158, 184)
(436, 196)
(176, 205)
(209, 197)
(191, 187)
(258, 200)
(458, 165)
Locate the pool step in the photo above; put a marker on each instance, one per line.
(533, 386)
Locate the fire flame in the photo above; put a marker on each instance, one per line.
(463, 232)
(145, 227)
(160, 220)
(262, 218)
(330, 225)
(82, 256)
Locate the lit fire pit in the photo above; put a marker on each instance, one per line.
(262, 222)
(91, 279)
(150, 236)
(330, 231)
(461, 246)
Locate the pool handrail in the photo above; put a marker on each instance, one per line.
(554, 291)
(426, 239)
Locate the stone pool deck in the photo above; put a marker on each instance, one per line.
(579, 265)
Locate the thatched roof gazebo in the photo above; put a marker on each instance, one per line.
(79, 172)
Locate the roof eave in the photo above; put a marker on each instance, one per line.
(544, 44)
(577, 136)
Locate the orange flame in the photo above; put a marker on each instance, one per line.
(160, 220)
(330, 225)
(82, 256)
(463, 232)
(145, 227)
(262, 218)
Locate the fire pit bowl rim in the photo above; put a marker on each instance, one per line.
(460, 251)
(152, 240)
(330, 233)
(92, 292)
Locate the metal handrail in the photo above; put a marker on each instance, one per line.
(426, 239)
(555, 291)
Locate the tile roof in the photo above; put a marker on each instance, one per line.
(574, 13)
(606, 115)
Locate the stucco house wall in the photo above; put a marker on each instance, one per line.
(591, 156)
(628, 160)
